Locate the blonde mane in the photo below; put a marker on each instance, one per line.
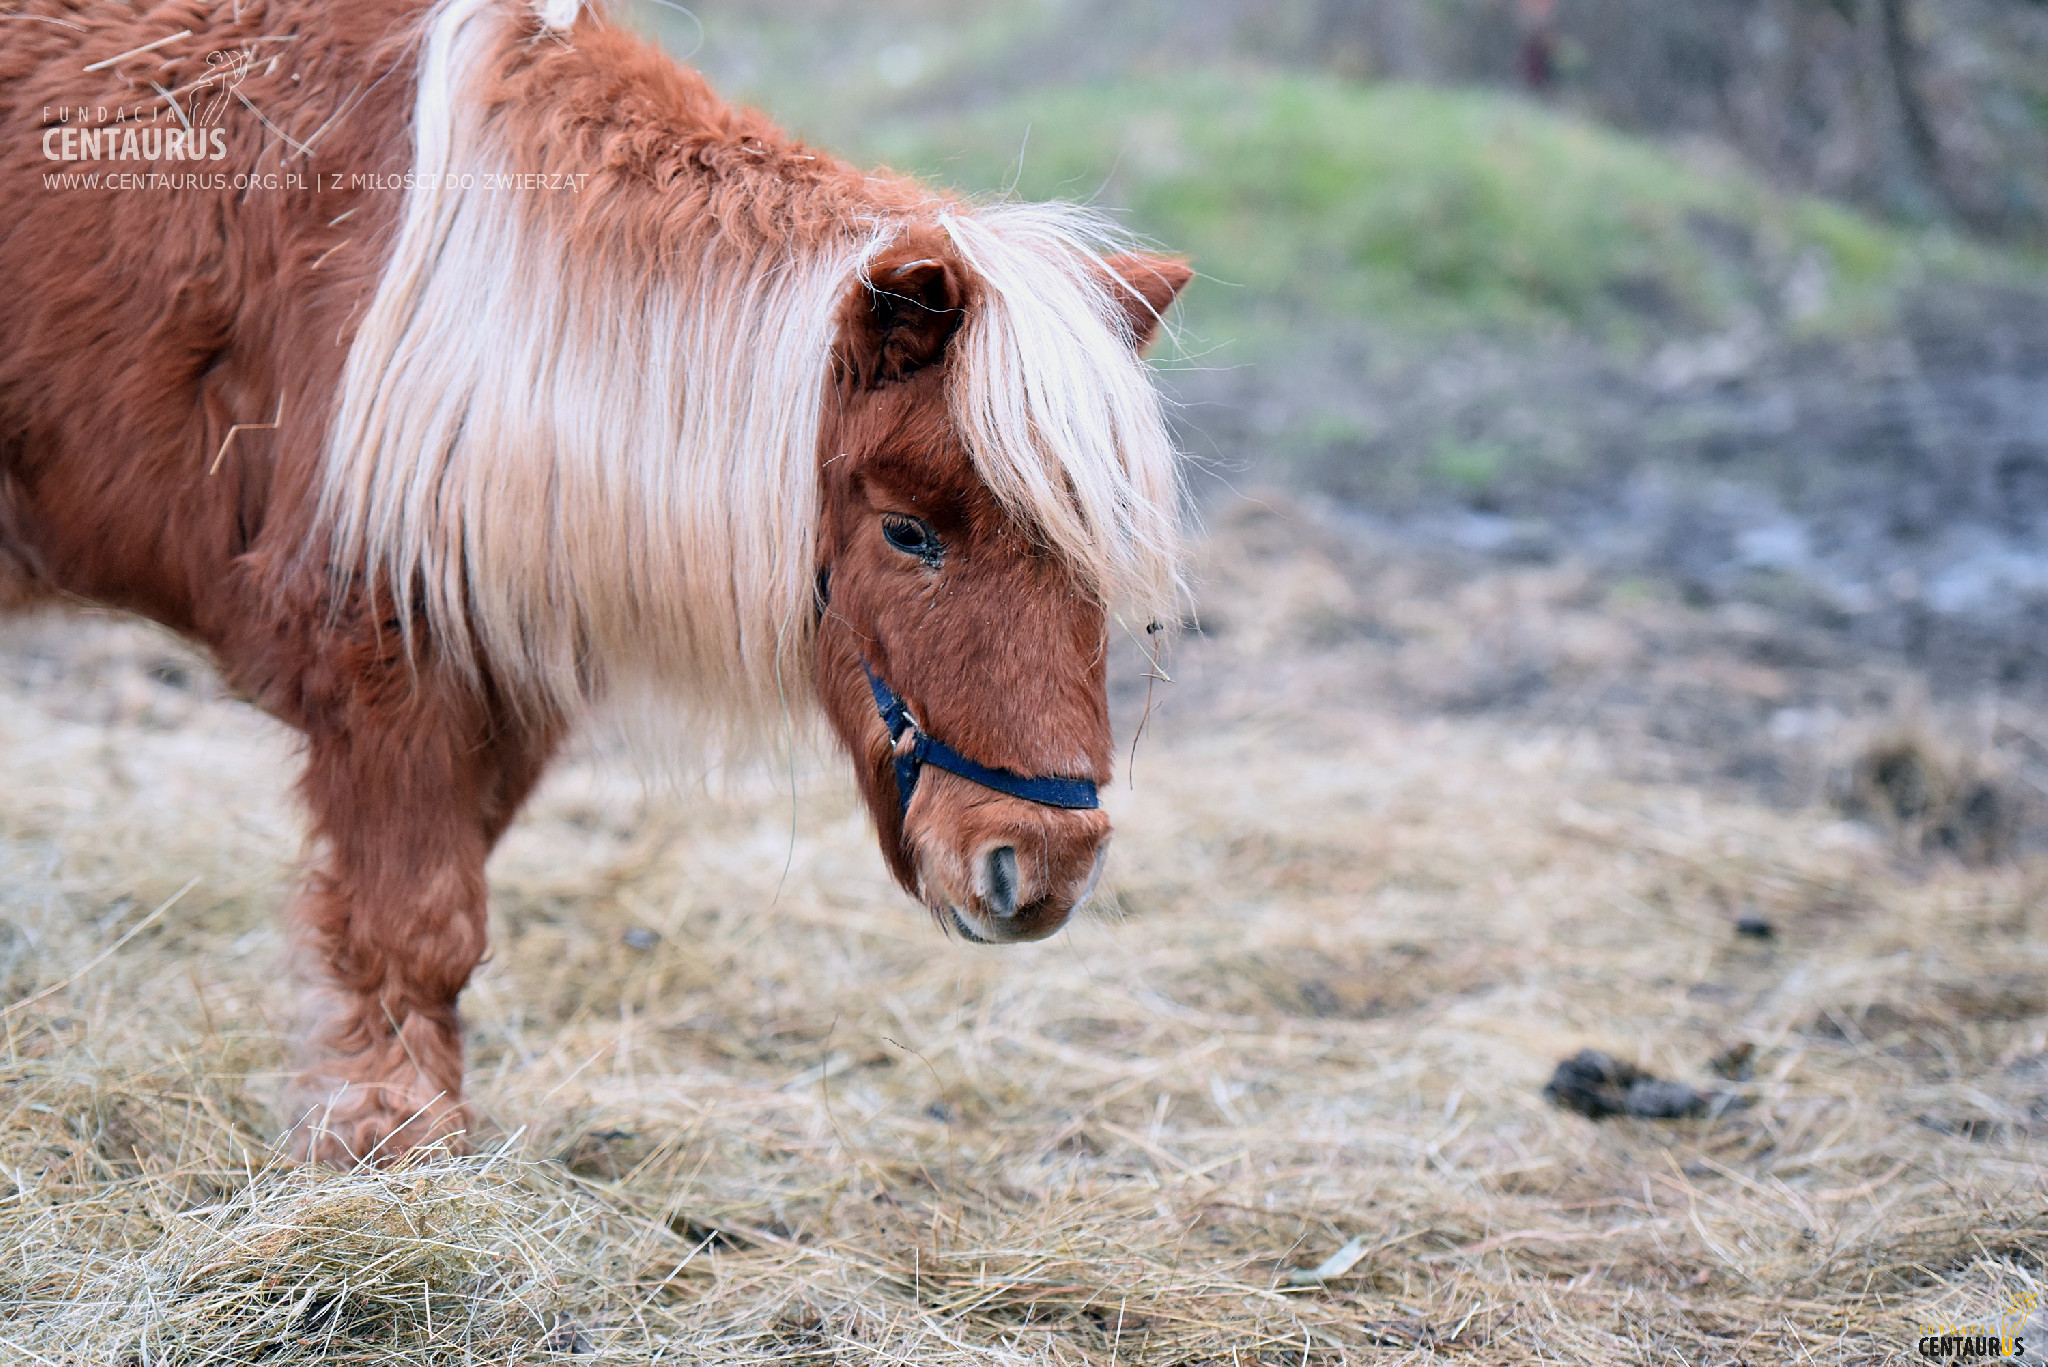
(1060, 416)
(596, 464)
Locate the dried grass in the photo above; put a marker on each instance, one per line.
(1344, 949)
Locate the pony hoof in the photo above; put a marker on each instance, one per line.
(359, 1125)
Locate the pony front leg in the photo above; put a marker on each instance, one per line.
(391, 922)
(378, 1053)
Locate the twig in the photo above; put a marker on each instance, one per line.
(138, 51)
(263, 119)
(221, 454)
(46, 19)
(104, 954)
(173, 102)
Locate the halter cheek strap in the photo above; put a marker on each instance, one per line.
(1076, 794)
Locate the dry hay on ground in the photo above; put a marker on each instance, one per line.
(744, 1104)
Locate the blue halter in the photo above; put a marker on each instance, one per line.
(1076, 794)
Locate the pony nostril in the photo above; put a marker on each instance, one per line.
(1002, 882)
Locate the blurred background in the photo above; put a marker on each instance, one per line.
(1723, 302)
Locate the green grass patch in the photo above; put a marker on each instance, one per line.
(1421, 210)
(1471, 466)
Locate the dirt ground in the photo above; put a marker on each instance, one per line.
(1409, 828)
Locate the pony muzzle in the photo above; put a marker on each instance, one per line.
(998, 870)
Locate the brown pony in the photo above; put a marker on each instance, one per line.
(447, 371)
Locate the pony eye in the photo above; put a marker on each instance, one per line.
(913, 536)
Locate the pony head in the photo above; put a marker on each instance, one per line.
(736, 417)
(996, 484)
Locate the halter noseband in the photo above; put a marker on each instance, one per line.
(1077, 794)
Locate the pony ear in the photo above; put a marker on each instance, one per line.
(904, 312)
(1146, 287)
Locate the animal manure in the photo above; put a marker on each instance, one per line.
(1597, 1085)
(1737, 1062)
(1933, 800)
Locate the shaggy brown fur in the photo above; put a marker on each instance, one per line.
(169, 365)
